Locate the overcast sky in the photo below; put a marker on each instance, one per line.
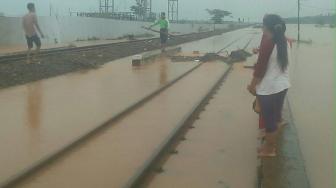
(189, 9)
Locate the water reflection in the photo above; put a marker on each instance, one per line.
(34, 105)
(163, 70)
(34, 109)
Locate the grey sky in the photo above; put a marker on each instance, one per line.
(189, 9)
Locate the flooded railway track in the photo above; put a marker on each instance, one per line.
(54, 62)
(171, 140)
(155, 164)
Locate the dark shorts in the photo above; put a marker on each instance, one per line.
(33, 39)
(271, 109)
(163, 36)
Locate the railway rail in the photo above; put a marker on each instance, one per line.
(156, 158)
(147, 44)
(155, 163)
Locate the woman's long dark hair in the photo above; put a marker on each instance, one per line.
(277, 27)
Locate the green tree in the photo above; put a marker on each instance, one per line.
(139, 9)
(218, 15)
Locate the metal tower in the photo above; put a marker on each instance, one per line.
(146, 5)
(173, 8)
(106, 6)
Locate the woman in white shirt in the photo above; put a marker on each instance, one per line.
(271, 79)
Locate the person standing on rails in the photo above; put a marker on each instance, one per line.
(164, 25)
(30, 24)
(271, 79)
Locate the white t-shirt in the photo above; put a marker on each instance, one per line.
(275, 80)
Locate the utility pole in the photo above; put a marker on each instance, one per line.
(299, 9)
(50, 9)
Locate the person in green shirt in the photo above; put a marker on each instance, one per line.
(164, 25)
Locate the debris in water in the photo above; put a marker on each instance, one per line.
(136, 60)
(159, 170)
(235, 56)
(212, 57)
(185, 58)
(239, 55)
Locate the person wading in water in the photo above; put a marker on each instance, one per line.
(271, 79)
(164, 25)
(30, 24)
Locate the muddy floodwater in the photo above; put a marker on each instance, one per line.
(43, 116)
(40, 118)
(311, 99)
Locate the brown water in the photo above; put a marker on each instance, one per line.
(113, 156)
(131, 140)
(311, 99)
(217, 152)
(40, 118)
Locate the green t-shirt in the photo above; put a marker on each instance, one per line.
(164, 24)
